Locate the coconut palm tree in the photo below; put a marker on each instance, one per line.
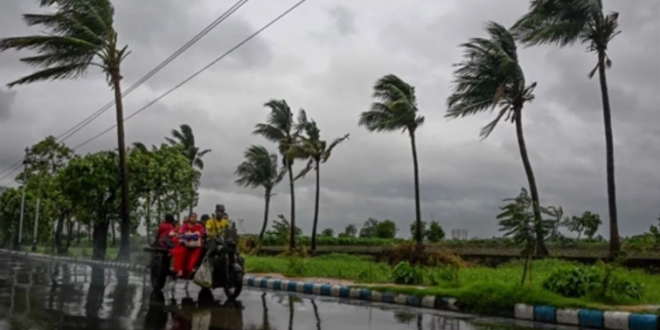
(260, 169)
(489, 77)
(310, 147)
(186, 138)
(280, 128)
(396, 109)
(563, 23)
(77, 35)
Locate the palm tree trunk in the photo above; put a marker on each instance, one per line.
(316, 204)
(192, 198)
(418, 208)
(125, 247)
(615, 242)
(147, 219)
(267, 208)
(292, 240)
(540, 235)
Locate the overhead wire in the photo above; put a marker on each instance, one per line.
(76, 128)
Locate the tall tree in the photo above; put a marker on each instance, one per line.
(280, 128)
(396, 109)
(260, 169)
(186, 138)
(489, 77)
(563, 23)
(310, 147)
(77, 35)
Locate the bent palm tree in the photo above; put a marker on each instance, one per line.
(260, 169)
(396, 109)
(186, 138)
(563, 23)
(281, 129)
(310, 147)
(79, 34)
(490, 76)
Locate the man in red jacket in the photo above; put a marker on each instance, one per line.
(165, 228)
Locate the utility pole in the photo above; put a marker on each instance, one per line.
(20, 224)
(36, 217)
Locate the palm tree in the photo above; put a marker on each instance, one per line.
(396, 109)
(489, 77)
(563, 23)
(186, 138)
(310, 147)
(79, 34)
(281, 129)
(260, 169)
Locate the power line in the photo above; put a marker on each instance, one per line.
(196, 73)
(73, 130)
(142, 80)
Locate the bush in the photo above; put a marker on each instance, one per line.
(577, 282)
(405, 273)
(572, 282)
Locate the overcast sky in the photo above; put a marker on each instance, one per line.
(325, 57)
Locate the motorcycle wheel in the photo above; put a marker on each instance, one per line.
(233, 284)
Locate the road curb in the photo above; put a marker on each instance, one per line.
(583, 318)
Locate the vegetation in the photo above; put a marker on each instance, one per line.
(309, 146)
(260, 169)
(396, 109)
(79, 34)
(490, 77)
(80, 194)
(563, 23)
(478, 288)
(281, 128)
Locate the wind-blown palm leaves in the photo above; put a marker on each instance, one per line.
(186, 138)
(396, 109)
(79, 34)
(260, 169)
(309, 146)
(281, 129)
(489, 77)
(563, 23)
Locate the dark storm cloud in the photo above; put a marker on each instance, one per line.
(344, 20)
(6, 102)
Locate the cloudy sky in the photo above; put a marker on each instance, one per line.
(324, 57)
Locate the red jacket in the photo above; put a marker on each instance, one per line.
(164, 230)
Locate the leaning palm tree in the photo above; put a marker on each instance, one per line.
(563, 23)
(77, 35)
(186, 138)
(489, 77)
(260, 169)
(396, 109)
(281, 129)
(310, 147)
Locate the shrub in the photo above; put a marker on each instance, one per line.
(572, 282)
(248, 245)
(405, 273)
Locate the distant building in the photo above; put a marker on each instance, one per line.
(461, 234)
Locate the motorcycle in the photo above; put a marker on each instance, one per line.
(226, 261)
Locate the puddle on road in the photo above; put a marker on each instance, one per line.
(37, 295)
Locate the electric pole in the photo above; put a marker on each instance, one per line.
(36, 218)
(20, 223)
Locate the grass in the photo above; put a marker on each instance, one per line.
(480, 289)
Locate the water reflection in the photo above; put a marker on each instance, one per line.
(205, 313)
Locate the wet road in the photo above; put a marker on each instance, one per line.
(40, 295)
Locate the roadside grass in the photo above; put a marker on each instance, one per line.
(480, 289)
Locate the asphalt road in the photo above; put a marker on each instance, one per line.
(40, 295)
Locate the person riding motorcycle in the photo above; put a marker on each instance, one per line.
(215, 228)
